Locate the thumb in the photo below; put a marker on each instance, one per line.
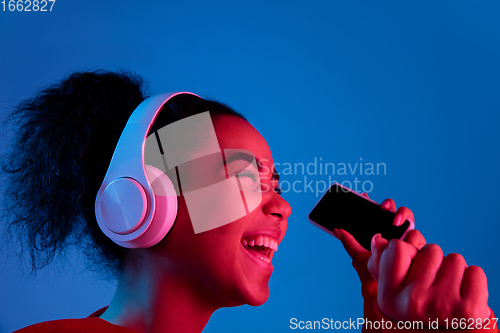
(351, 245)
(360, 257)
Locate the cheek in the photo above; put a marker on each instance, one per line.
(230, 234)
(182, 224)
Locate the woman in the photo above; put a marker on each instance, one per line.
(65, 141)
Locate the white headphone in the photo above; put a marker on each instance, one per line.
(127, 209)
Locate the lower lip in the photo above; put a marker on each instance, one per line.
(260, 262)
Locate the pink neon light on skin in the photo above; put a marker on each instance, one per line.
(178, 284)
(187, 276)
(410, 267)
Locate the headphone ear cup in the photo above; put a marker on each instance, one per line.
(165, 208)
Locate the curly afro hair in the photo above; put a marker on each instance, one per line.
(63, 142)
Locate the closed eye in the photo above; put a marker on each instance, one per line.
(250, 174)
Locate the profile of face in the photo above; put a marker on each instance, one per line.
(230, 264)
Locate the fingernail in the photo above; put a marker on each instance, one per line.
(385, 204)
(398, 219)
(374, 240)
(336, 233)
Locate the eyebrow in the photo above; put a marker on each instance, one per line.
(249, 158)
(239, 156)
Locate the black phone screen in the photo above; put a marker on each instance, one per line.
(362, 218)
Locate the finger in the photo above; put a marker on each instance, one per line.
(450, 275)
(378, 245)
(365, 195)
(394, 264)
(405, 214)
(388, 204)
(415, 238)
(425, 267)
(474, 286)
(351, 245)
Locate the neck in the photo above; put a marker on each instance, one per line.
(149, 299)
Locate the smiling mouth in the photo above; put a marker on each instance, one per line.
(261, 246)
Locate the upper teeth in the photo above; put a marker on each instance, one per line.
(260, 240)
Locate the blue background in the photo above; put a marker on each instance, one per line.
(413, 85)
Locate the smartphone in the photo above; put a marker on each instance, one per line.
(342, 208)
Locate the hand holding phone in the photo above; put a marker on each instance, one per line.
(407, 268)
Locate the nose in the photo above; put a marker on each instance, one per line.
(277, 206)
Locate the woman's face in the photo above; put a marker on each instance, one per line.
(221, 263)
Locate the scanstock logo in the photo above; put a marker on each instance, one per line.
(215, 184)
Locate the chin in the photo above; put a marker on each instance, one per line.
(255, 296)
(259, 301)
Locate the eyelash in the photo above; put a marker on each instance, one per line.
(248, 173)
(255, 176)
